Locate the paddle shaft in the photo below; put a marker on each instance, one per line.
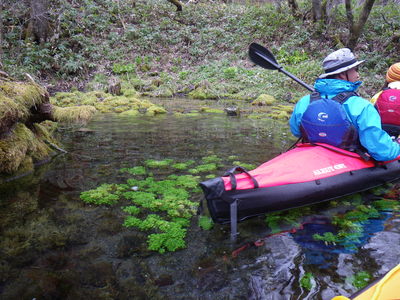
(272, 62)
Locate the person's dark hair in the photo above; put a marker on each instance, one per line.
(385, 85)
(331, 76)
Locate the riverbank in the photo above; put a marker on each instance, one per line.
(200, 52)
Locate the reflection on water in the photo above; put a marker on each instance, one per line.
(53, 246)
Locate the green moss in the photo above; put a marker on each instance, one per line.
(128, 103)
(212, 110)
(130, 113)
(155, 110)
(199, 93)
(76, 114)
(20, 143)
(264, 99)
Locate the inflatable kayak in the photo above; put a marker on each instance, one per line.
(302, 176)
(386, 288)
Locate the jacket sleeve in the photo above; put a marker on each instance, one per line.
(377, 142)
(297, 114)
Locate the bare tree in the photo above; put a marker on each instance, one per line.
(39, 22)
(355, 28)
(176, 3)
(294, 7)
(316, 9)
(1, 33)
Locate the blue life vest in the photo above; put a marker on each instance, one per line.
(325, 121)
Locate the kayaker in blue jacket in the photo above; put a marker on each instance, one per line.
(341, 77)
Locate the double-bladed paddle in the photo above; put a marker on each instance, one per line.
(264, 58)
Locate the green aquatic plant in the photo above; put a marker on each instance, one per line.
(151, 163)
(360, 279)
(306, 281)
(104, 194)
(350, 228)
(386, 205)
(139, 170)
(172, 233)
(163, 208)
(209, 167)
(186, 181)
(211, 159)
(327, 237)
(205, 223)
(132, 209)
(277, 220)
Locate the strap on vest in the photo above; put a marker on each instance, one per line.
(315, 96)
(231, 172)
(342, 97)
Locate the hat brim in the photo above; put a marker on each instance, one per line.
(338, 71)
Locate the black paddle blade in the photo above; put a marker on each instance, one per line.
(263, 57)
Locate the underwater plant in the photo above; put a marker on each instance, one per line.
(306, 281)
(162, 206)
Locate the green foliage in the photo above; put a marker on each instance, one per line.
(105, 194)
(211, 159)
(204, 168)
(161, 205)
(277, 220)
(132, 210)
(306, 281)
(209, 43)
(349, 225)
(206, 223)
(386, 205)
(123, 68)
(327, 237)
(361, 279)
(151, 163)
(139, 170)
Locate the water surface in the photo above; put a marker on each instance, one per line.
(54, 246)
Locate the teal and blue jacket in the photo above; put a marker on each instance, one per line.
(360, 112)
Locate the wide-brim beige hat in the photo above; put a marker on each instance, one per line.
(339, 61)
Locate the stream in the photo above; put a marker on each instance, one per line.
(55, 246)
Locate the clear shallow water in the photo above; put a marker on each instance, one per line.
(56, 247)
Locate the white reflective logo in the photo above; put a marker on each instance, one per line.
(322, 134)
(322, 116)
(392, 98)
(330, 169)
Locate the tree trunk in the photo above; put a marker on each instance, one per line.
(294, 7)
(176, 3)
(1, 33)
(316, 9)
(355, 29)
(39, 20)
